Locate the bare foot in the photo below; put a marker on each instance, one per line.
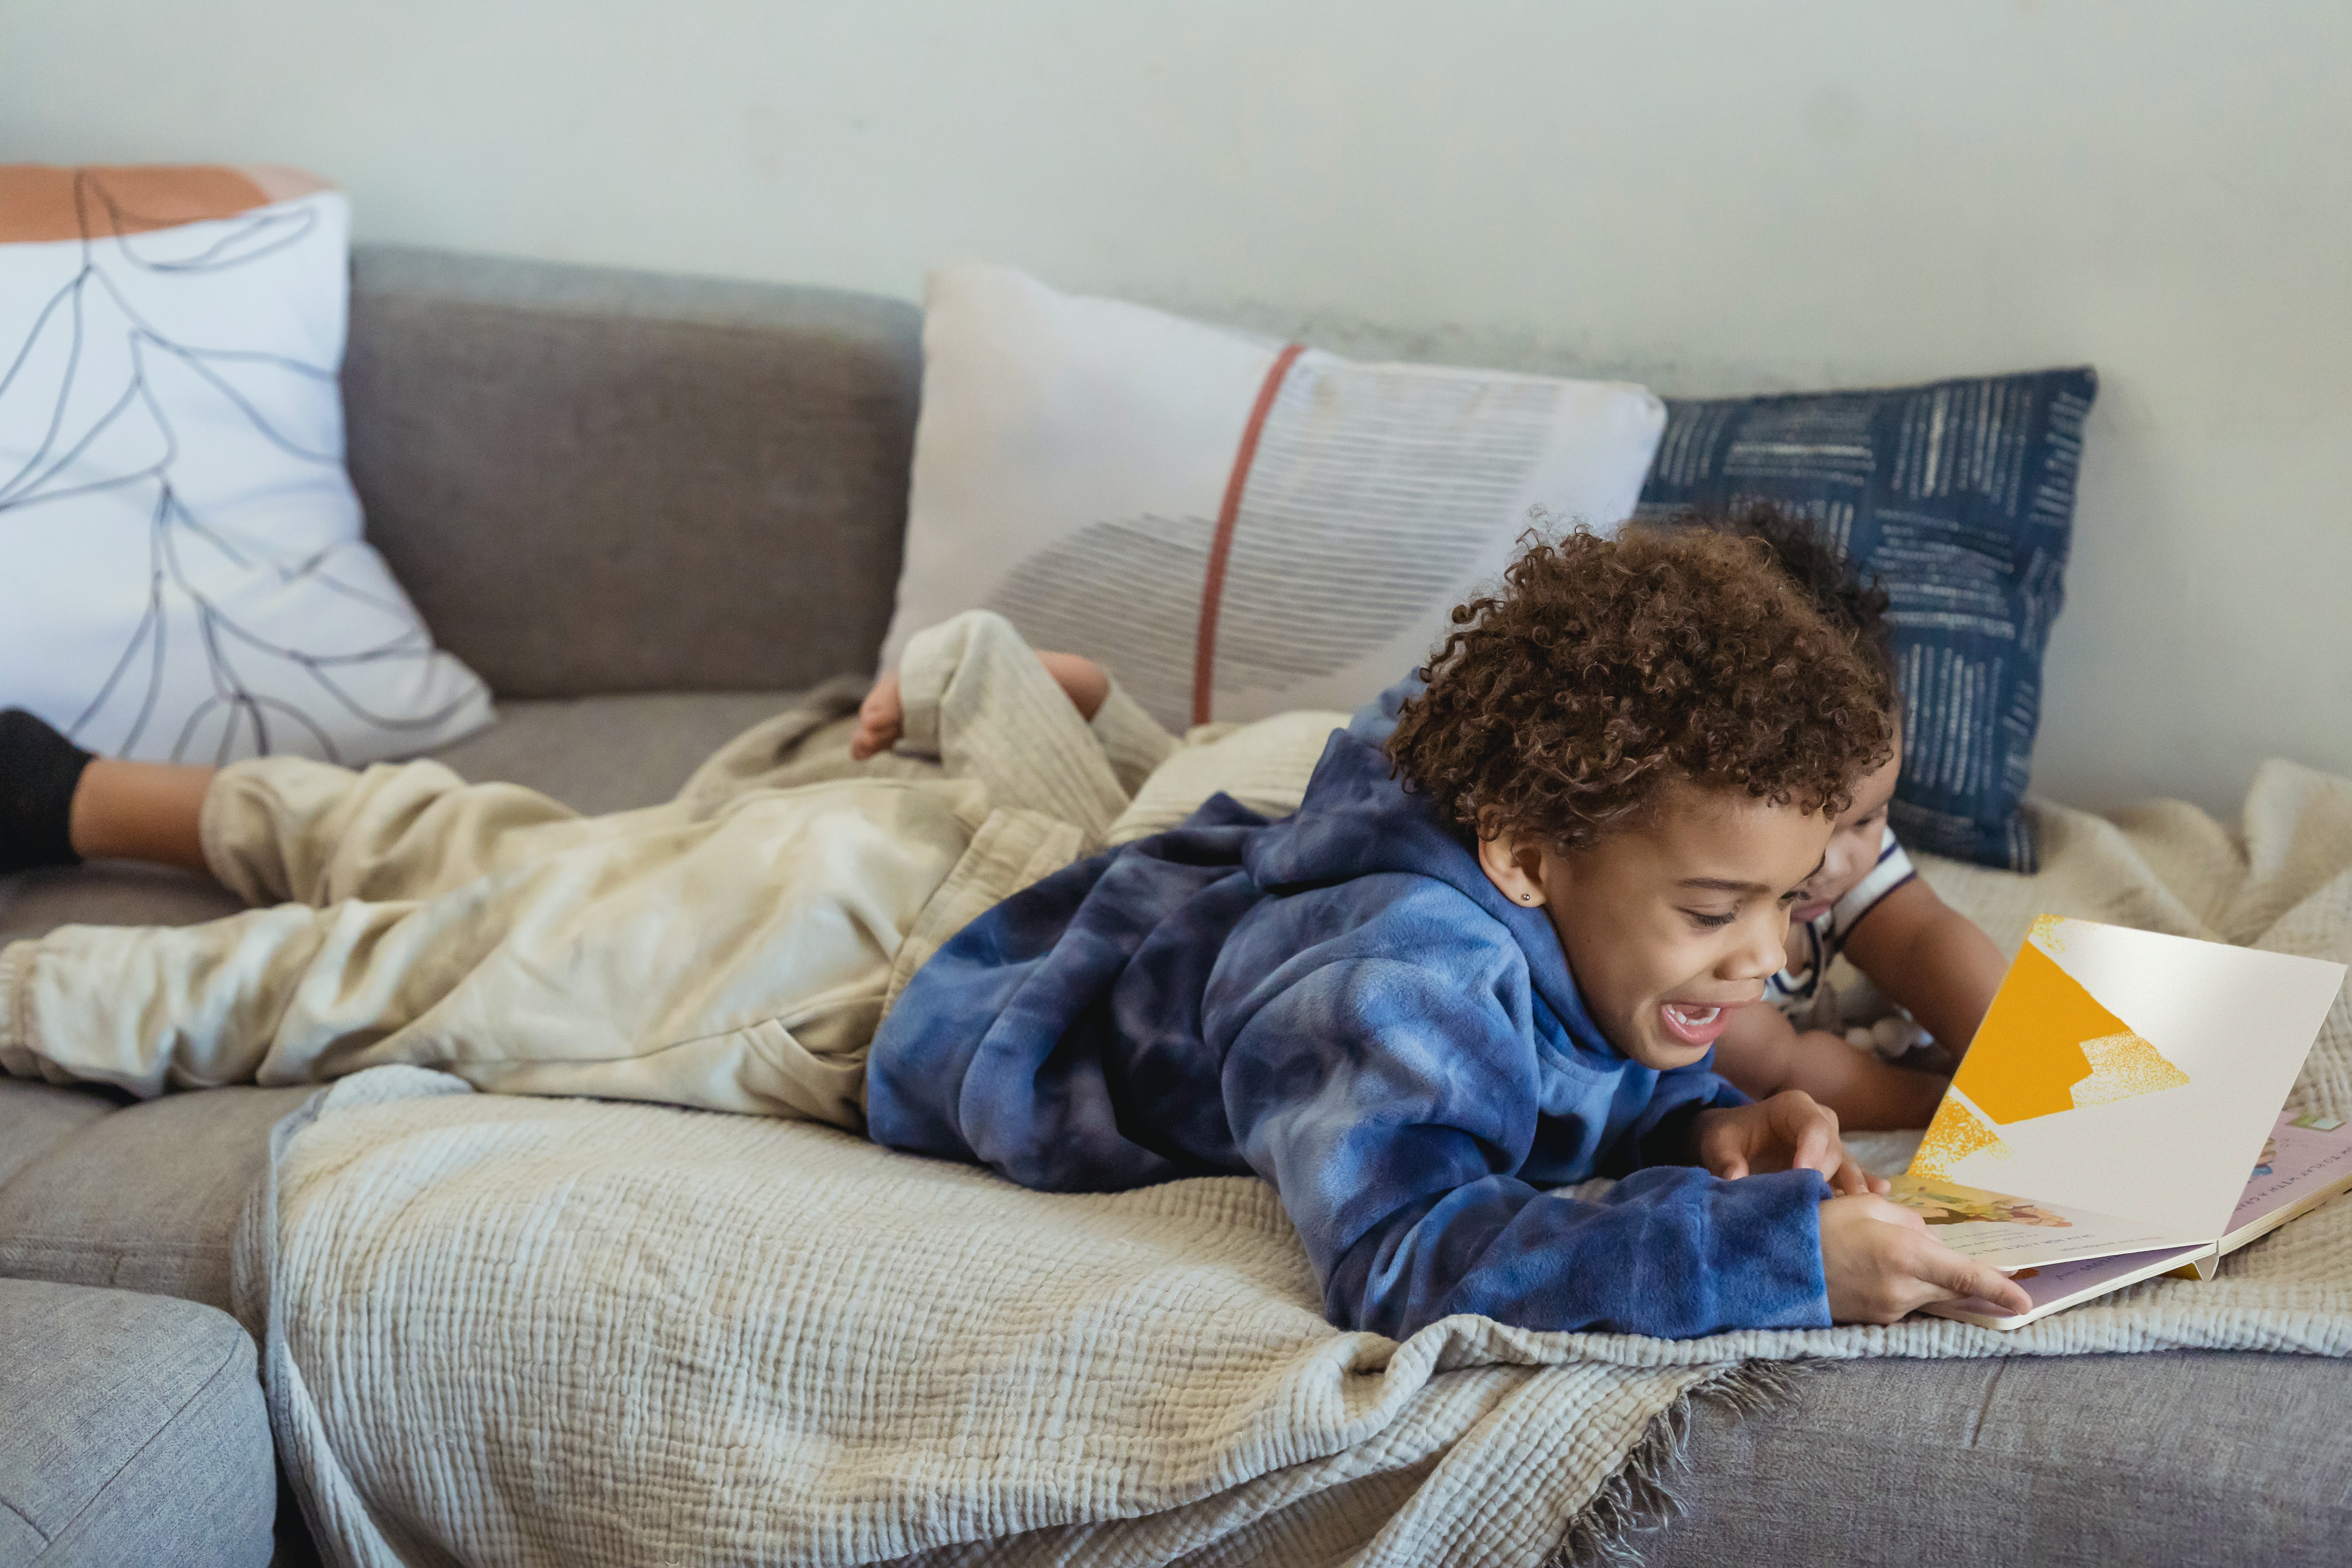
(882, 717)
(881, 720)
(1085, 682)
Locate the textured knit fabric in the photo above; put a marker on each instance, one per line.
(1343, 1004)
(732, 949)
(1264, 765)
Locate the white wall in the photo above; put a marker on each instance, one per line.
(1710, 195)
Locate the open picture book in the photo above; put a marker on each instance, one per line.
(2101, 1128)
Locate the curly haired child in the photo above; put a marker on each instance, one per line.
(1867, 901)
(1482, 963)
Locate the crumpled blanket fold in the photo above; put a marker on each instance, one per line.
(558, 1331)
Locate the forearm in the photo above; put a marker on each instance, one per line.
(1754, 1053)
(1930, 959)
(1947, 980)
(1763, 1054)
(1391, 1102)
(1868, 1095)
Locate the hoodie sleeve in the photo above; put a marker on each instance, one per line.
(1387, 1092)
(1661, 1134)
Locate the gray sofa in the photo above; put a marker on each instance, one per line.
(131, 1430)
(642, 507)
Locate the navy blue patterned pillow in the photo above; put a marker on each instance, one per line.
(1959, 497)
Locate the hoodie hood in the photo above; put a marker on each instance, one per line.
(1359, 820)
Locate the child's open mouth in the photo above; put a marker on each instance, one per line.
(1694, 1026)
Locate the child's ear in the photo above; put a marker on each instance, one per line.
(1515, 867)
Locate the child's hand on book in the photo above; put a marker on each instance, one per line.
(1880, 1264)
(1790, 1132)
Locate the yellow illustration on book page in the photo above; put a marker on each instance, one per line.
(2048, 1046)
(1952, 1137)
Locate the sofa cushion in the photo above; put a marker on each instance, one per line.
(37, 1117)
(610, 754)
(2181, 1458)
(131, 1430)
(592, 480)
(144, 1199)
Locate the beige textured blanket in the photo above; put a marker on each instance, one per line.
(547, 1332)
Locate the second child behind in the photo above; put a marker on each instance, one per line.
(1867, 903)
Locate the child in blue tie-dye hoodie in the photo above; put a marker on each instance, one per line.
(1487, 960)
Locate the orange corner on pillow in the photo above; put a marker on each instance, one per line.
(48, 201)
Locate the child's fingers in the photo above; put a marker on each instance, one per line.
(1814, 1146)
(1723, 1143)
(1966, 1277)
(2008, 1293)
(1850, 1177)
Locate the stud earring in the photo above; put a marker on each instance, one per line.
(1530, 898)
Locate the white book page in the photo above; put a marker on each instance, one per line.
(2010, 1233)
(2130, 1073)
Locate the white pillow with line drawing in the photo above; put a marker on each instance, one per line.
(186, 578)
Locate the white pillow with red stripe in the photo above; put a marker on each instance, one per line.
(1233, 526)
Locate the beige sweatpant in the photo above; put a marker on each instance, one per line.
(734, 949)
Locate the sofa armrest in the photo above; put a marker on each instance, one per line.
(594, 480)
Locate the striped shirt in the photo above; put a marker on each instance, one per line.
(1814, 945)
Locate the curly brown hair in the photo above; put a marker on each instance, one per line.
(1604, 669)
(1829, 577)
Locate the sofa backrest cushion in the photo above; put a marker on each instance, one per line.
(595, 480)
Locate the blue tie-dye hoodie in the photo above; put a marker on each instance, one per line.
(1343, 1004)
